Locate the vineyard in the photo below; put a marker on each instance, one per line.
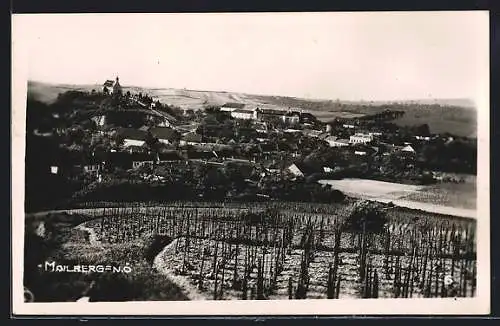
(265, 251)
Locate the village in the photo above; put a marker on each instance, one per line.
(251, 152)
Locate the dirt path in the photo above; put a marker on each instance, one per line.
(182, 282)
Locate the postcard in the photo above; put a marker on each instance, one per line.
(331, 163)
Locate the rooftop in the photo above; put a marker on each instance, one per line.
(164, 133)
(192, 137)
(243, 111)
(130, 133)
(233, 105)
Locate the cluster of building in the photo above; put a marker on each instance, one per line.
(242, 111)
(134, 151)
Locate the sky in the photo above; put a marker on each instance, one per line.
(348, 56)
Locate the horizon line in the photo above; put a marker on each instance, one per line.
(395, 101)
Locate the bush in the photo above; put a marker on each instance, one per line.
(365, 215)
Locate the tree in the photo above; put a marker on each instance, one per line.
(365, 215)
(423, 130)
(152, 142)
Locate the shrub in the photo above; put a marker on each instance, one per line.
(367, 215)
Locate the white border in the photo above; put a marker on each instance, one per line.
(477, 305)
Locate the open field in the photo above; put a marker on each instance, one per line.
(459, 119)
(457, 199)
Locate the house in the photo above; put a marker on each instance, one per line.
(266, 148)
(291, 117)
(142, 159)
(270, 115)
(111, 86)
(244, 114)
(334, 142)
(164, 123)
(360, 138)
(327, 169)
(128, 160)
(330, 139)
(165, 135)
(348, 126)
(37, 132)
(229, 107)
(312, 133)
(427, 138)
(307, 118)
(136, 149)
(301, 169)
(363, 150)
(295, 170)
(408, 149)
(93, 166)
(191, 138)
(133, 137)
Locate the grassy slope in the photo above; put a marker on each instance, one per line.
(64, 244)
(460, 119)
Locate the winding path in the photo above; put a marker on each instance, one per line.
(159, 263)
(182, 282)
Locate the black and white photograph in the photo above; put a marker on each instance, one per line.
(251, 163)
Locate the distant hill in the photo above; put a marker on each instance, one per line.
(456, 116)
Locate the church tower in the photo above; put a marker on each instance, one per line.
(117, 88)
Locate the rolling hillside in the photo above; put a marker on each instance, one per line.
(449, 115)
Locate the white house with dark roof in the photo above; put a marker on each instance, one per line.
(408, 149)
(335, 142)
(291, 117)
(360, 138)
(244, 114)
(133, 137)
(295, 170)
(191, 138)
(165, 135)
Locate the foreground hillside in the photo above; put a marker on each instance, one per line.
(457, 117)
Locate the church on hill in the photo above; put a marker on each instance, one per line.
(112, 86)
